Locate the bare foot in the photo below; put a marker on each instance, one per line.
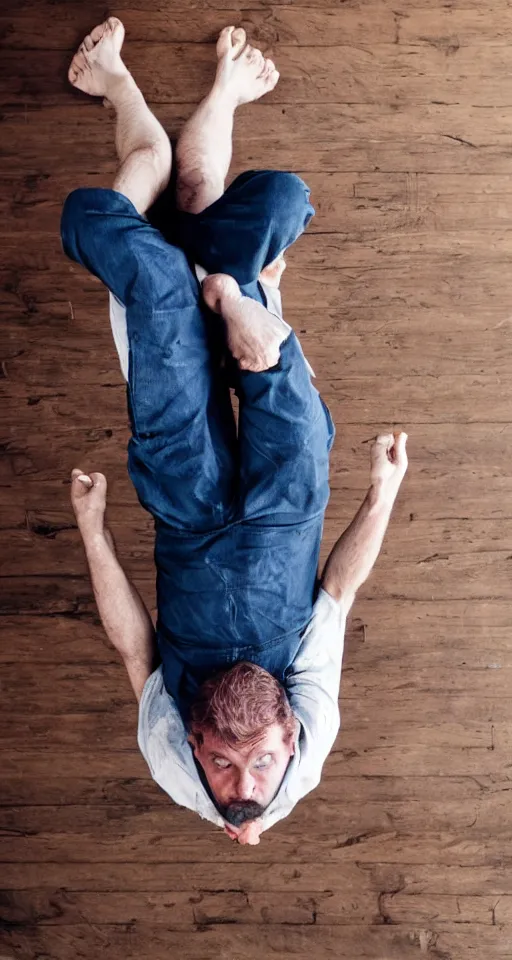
(253, 334)
(244, 73)
(97, 61)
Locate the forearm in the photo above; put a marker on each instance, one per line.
(354, 554)
(123, 613)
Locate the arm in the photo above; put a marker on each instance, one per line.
(354, 554)
(123, 613)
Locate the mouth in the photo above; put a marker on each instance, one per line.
(239, 811)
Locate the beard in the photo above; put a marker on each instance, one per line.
(241, 811)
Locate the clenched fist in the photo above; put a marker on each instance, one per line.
(388, 465)
(89, 500)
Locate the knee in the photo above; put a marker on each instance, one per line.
(74, 215)
(285, 201)
(285, 188)
(197, 189)
(74, 203)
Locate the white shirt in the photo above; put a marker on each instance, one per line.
(312, 690)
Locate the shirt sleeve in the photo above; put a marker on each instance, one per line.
(162, 740)
(314, 683)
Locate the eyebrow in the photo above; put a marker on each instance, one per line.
(220, 756)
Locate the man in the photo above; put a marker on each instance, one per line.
(237, 720)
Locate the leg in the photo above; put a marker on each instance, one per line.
(253, 334)
(142, 145)
(262, 213)
(203, 153)
(182, 455)
(285, 430)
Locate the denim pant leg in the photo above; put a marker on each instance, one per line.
(182, 454)
(285, 428)
(285, 434)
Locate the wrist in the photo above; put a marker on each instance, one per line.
(94, 537)
(380, 497)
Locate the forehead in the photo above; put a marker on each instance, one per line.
(272, 740)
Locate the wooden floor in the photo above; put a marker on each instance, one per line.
(399, 116)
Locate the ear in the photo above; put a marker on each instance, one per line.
(290, 741)
(192, 740)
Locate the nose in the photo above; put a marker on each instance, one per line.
(246, 786)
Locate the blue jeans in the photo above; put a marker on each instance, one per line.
(238, 519)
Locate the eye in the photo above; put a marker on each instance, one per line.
(221, 763)
(264, 761)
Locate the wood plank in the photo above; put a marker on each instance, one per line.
(414, 879)
(83, 119)
(180, 909)
(25, 790)
(246, 942)
(438, 344)
(358, 756)
(453, 473)
(97, 680)
(441, 577)
(437, 398)
(447, 27)
(363, 137)
(448, 632)
(354, 204)
(79, 790)
(443, 572)
(435, 7)
(439, 910)
(179, 838)
(453, 25)
(125, 830)
(337, 274)
(264, 27)
(256, 878)
(422, 554)
(414, 74)
(87, 724)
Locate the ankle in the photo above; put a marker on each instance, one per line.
(121, 86)
(221, 98)
(221, 292)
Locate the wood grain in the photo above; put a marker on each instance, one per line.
(398, 117)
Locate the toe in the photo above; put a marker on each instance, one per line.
(273, 78)
(108, 26)
(77, 66)
(88, 42)
(254, 57)
(238, 40)
(224, 45)
(268, 67)
(98, 32)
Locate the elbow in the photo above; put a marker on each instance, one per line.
(343, 593)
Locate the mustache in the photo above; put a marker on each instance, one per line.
(241, 811)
